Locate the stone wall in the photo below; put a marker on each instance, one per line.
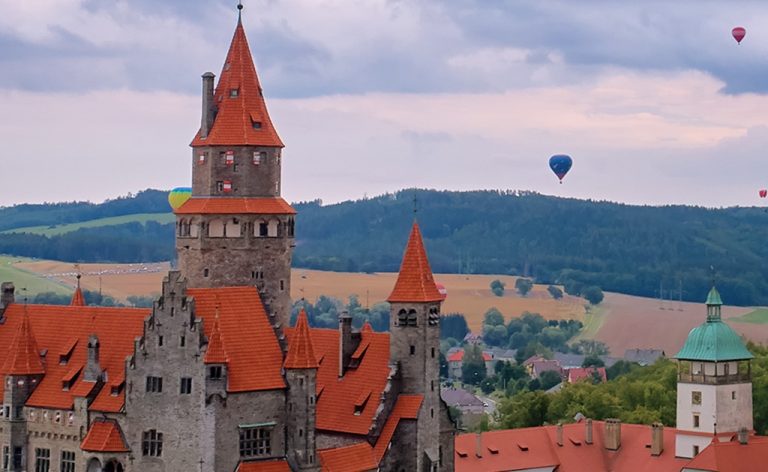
(248, 179)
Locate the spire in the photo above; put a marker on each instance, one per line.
(216, 353)
(301, 354)
(415, 282)
(77, 298)
(714, 304)
(23, 355)
(241, 118)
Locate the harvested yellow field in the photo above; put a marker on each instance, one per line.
(467, 294)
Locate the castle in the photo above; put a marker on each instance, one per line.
(212, 378)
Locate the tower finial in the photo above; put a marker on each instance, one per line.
(415, 204)
(239, 11)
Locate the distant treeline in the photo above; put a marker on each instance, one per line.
(639, 250)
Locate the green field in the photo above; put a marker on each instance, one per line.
(55, 230)
(22, 279)
(759, 316)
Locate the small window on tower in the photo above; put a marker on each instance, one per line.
(219, 186)
(696, 398)
(233, 93)
(413, 349)
(258, 157)
(227, 186)
(256, 124)
(229, 158)
(201, 159)
(205, 272)
(695, 421)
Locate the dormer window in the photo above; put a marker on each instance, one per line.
(256, 124)
(233, 93)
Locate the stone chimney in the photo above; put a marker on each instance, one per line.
(743, 436)
(657, 439)
(209, 105)
(92, 368)
(612, 436)
(346, 342)
(479, 445)
(560, 434)
(7, 291)
(588, 433)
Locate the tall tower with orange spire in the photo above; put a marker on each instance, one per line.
(415, 346)
(236, 230)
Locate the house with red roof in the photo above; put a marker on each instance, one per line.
(589, 374)
(456, 362)
(212, 378)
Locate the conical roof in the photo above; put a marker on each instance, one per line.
(77, 298)
(714, 340)
(415, 282)
(301, 353)
(24, 355)
(242, 118)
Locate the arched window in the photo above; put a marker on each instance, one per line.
(194, 228)
(216, 229)
(94, 465)
(412, 318)
(260, 229)
(402, 318)
(272, 228)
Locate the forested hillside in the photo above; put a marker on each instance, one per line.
(629, 249)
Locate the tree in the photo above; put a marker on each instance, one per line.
(556, 293)
(549, 379)
(443, 366)
(493, 317)
(488, 385)
(620, 368)
(523, 286)
(523, 410)
(495, 335)
(497, 287)
(593, 294)
(473, 366)
(592, 361)
(453, 325)
(590, 347)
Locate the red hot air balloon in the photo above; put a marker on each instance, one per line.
(738, 33)
(763, 193)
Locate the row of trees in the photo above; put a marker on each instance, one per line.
(91, 298)
(526, 329)
(324, 313)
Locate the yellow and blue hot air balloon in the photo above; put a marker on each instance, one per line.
(178, 196)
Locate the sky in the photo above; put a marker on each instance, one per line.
(654, 100)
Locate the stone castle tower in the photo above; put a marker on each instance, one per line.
(714, 386)
(236, 230)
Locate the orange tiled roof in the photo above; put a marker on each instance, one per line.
(215, 354)
(732, 456)
(104, 436)
(77, 298)
(415, 282)
(235, 206)
(524, 448)
(279, 465)
(301, 354)
(363, 456)
(577, 374)
(254, 356)
(335, 396)
(61, 329)
(458, 356)
(23, 356)
(236, 116)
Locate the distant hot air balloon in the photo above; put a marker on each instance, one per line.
(738, 33)
(178, 196)
(763, 193)
(560, 165)
(441, 288)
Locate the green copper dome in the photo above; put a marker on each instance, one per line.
(713, 341)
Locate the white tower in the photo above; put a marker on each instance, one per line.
(714, 385)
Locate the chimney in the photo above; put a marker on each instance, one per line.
(560, 434)
(588, 434)
(346, 344)
(743, 436)
(7, 291)
(657, 439)
(92, 367)
(612, 434)
(479, 445)
(209, 106)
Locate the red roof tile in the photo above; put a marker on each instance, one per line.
(254, 356)
(732, 456)
(215, 353)
(279, 465)
(458, 356)
(64, 329)
(335, 402)
(104, 436)
(362, 456)
(77, 298)
(23, 356)
(415, 282)
(301, 354)
(237, 115)
(577, 374)
(235, 206)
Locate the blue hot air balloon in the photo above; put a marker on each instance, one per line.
(560, 165)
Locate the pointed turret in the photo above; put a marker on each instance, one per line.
(240, 113)
(216, 353)
(415, 283)
(301, 353)
(23, 354)
(77, 298)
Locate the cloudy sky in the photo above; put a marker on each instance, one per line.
(654, 99)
